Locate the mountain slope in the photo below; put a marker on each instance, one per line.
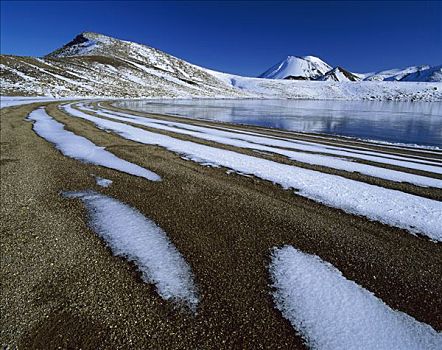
(422, 73)
(339, 74)
(332, 90)
(432, 74)
(297, 68)
(95, 65)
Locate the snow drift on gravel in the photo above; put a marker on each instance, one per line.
(131, 235)
(331, 312)
(80, 148)
(413, 213)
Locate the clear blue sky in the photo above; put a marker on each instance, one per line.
(239, 37)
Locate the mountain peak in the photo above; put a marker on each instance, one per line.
(339, 74)
(298, 68)
(80, 45)
(87, 44)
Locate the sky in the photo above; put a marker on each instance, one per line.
(241, 37)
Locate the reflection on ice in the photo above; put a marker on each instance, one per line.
(402, 122)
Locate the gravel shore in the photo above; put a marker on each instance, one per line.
(62, 287)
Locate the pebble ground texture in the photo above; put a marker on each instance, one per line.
(62, 288)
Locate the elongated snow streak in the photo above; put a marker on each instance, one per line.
(332, 312)
(259, 143)
(299, 145)
(413, 213)
(80, 148)
(131, 235)
(425, 164)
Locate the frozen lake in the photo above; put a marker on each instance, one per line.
(398, 122)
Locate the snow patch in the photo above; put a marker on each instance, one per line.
(332, 312)
(138, 239)
(101, 181)
(263, 144)
(80, 148)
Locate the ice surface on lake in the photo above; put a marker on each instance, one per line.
(398, 122)
(133, 236)
(332, 312)
(80, 148)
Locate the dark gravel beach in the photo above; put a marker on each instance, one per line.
(62, 287)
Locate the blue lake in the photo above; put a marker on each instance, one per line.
(397, 122)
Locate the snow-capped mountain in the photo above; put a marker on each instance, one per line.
(422, 73)
(432, 74)
(339, 74)
(297, 68)
(313, 68)
(95, 65)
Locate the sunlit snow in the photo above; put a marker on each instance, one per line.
(131, 235)
(413, 213)
(80, 148)
(332, 312)
(261, 143)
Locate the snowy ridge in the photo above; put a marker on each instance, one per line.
(413, 213)
(333, 90)
(339, 74)
(95, 65)
(80, 148)
(432, 74)
(423, 73)
(133, 236)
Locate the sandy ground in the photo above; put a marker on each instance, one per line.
(61, 286)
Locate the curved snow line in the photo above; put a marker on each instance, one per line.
(237, 140)
(361, 153)
(133, 236)
(80, 148)
(413, 213)
(332, 312)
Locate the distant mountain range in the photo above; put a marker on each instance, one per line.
(313, 68)
(95, 65)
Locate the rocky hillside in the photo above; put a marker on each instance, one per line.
(338, 74)
(97, 65)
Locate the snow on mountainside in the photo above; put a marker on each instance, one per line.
(339, 74)
(432, 74)
(422, 73)
(95, 65)
(297, 68)
(332, 90)
(98, 65)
